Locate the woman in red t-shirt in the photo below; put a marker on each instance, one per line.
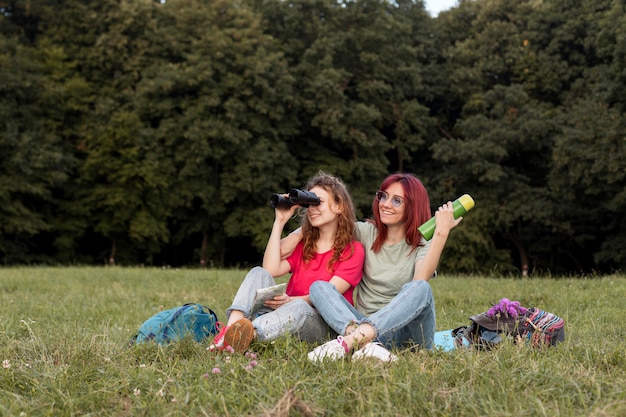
(328, 251)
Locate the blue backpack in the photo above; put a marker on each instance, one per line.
(174, 324)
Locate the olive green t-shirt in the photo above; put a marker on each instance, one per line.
(385, 272)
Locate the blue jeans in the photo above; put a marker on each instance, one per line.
(296, 317)
(408, 319)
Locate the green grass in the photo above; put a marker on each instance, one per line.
(64, 334)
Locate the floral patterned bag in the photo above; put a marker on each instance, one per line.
(509, 319)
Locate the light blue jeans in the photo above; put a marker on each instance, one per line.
(296, 317)
(407, 320)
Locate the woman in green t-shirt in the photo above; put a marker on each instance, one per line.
(394, 303)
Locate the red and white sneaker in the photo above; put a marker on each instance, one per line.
(218, 341)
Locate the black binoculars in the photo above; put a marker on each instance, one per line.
(296, 197)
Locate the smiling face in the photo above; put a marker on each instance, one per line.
(390, 215)
(326, 212)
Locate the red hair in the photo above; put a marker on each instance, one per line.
(416, 210)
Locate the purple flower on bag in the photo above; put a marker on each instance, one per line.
(507, 308)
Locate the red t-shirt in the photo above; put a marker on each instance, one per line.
(304, 274)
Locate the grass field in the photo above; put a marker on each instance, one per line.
(64, 334)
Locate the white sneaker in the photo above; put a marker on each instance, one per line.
(330, 350)
(374, 350)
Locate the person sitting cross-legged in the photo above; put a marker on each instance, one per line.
(394, 305)
(327, 252)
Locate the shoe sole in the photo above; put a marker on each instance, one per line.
(364, 357)
(317, 358)
(239, 335)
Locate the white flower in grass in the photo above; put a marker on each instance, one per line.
(136, 392)
(6, 364)
(160, 393)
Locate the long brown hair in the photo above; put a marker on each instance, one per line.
(416, 212)
(345, 233)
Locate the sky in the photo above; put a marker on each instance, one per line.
(436, 6)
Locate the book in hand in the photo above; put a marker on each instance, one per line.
(267, 293)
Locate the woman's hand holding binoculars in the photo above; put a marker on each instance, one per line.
(295, 197)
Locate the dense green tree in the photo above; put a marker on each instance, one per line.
(122, 181)
(611, 46)
(24, 176)
(583, 39)
(123, 185)
(215, 96)
(512, 67)
(500, 150)
(589, 176)
(155, 131)
(39, 98)
(358, 70)
(561, 47)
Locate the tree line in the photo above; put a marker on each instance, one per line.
(154, 132)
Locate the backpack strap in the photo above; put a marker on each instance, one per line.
(168, 326)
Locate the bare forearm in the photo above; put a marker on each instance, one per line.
(426, 268)
(272, 257)
(444, 218)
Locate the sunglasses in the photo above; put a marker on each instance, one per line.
(395, 200)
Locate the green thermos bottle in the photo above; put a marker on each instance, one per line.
(460, 206)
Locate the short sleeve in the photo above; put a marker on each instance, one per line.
(351, 269)
(295, 259)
